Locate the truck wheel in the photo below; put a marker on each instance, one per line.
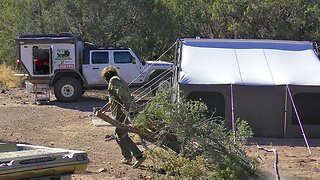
(67, 89)
(163, 84)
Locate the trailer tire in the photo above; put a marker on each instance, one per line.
(67, 89)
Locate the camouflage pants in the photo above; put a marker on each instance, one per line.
(127, 146)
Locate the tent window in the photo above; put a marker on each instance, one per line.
(308, 107)
(215, 101)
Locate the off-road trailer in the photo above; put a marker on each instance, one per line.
(69, 65)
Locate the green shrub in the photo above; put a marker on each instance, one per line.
(206, 148)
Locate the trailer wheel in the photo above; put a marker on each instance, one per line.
(67, 89)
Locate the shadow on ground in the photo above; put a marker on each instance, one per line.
(84, 104)
(294, 142)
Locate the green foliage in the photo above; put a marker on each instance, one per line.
(13, 21)
(283, 19)
(178, 166)
(150, 27)
(203, 140)
(243, 132)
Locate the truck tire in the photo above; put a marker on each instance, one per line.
(67, 89)
(157, 80)
(163, 84)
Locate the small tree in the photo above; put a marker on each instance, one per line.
(199, 146)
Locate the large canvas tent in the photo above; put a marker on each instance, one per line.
(274, 85)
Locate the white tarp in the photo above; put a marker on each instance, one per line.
(249, 62)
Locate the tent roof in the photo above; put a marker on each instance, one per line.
(249, 62)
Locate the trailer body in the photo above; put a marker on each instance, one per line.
(69, 65)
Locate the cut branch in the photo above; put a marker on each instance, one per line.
(170, 140)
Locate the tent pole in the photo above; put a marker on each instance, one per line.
(232, 115)
(285, 115)
(300, 124)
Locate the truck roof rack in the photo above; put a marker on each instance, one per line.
(46, 35)
(108, 48)
(47, 38)
(113, 47)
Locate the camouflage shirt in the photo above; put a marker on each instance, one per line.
(119, 97)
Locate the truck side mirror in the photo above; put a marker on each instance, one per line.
(133, 60)
(143, 62)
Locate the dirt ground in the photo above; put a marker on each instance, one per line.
(69, 125)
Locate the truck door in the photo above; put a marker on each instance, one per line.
(128, 66)
(63, 56)
(41, 60)
(98, 59)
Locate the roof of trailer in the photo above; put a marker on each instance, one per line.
(47, 38)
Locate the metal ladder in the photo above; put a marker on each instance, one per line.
(41, 93)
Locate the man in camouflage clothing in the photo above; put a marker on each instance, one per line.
(120, 97)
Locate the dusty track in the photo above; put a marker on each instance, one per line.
(67, 125)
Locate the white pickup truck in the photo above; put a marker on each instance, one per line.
(69, 65)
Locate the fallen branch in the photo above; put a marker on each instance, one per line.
(170, 140)
(276, 159)
(117, 124)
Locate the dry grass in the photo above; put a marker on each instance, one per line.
(7, 78)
